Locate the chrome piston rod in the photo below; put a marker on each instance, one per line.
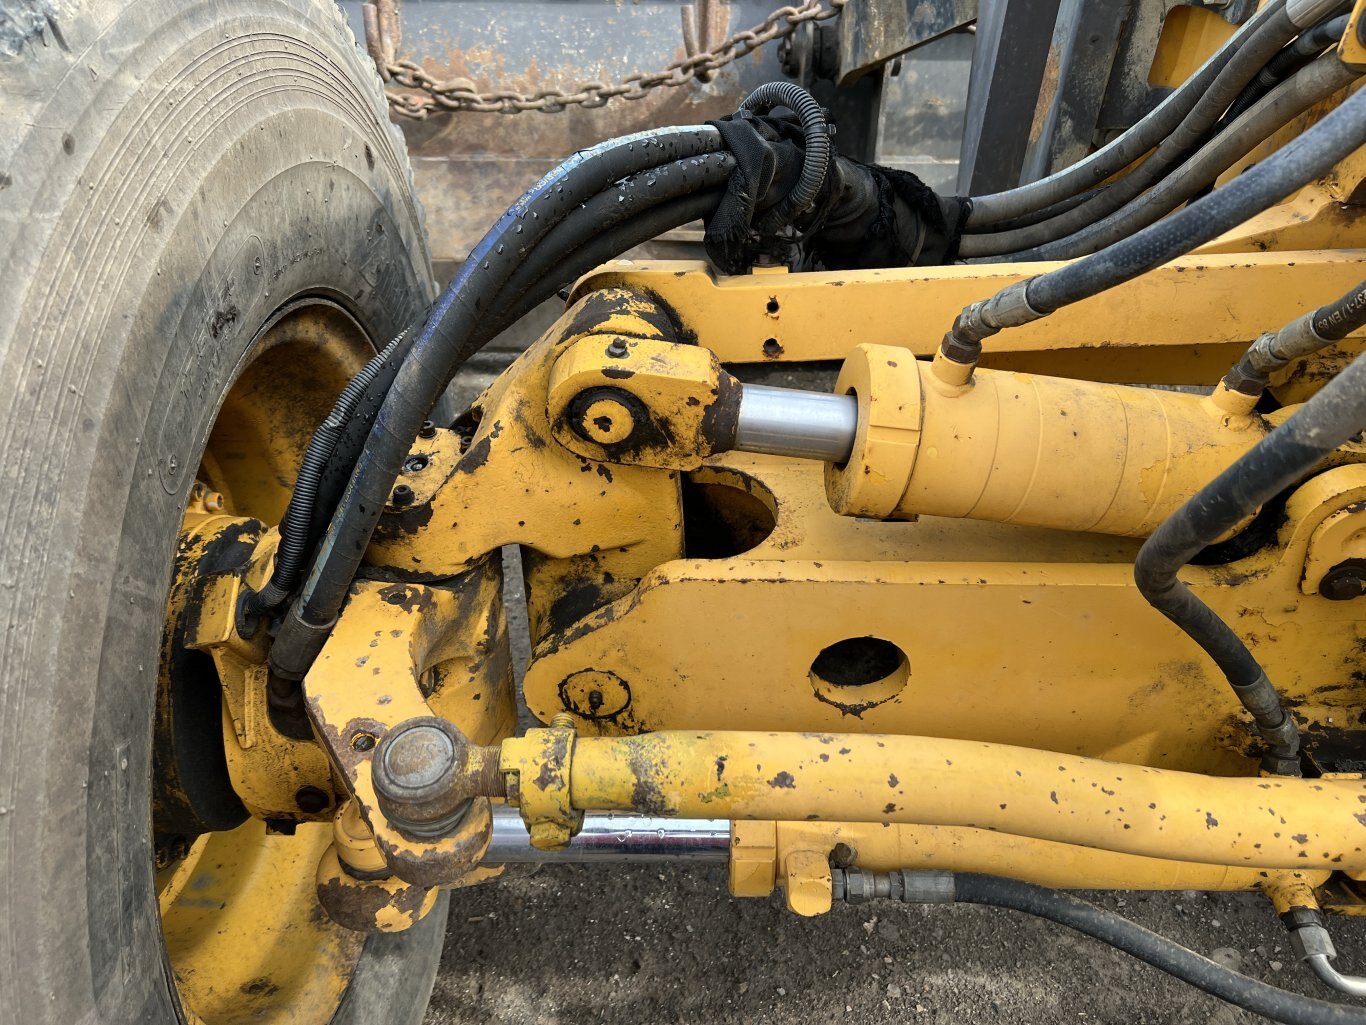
(802, 424)
(612, 837)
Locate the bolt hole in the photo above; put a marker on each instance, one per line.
(858, 661)
(363, 742)
(773, 306)
(860, 672)
(772, 348)
(725, 513)
(415, 465)
(311, 800)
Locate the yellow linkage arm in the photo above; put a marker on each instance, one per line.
(1158, 813)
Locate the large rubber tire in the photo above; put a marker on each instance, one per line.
(171, 171)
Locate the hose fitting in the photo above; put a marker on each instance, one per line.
(856, 886)
(1010, 307)
(1303, 336)
(1310, 940)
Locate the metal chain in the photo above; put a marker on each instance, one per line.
(435, 94)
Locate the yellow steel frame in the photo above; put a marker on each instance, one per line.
(1013, 635)
(1184, 323)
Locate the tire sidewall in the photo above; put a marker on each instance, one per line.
(199, 166)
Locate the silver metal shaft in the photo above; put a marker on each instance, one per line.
(802, 424)
(609, 837)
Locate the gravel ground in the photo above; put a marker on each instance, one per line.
(573, 944)
(653, 945)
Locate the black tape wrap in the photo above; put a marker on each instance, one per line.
(862, 215)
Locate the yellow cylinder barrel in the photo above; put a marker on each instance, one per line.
(1297, 824)
(1026, 449)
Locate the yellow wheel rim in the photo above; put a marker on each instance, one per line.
(245, 936)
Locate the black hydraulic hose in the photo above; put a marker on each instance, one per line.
(600, 248)
(1041, 215)
(598, 218)
(1122, 151)
(1281, 459)
(450, 336)
(1309, 44)
(335, 476)
(1304, 335)
(297, 522)
(1242, 67)
(1303, 159)
(1300, 161)
(1159, 951)
(1297, 55)
(1336, 320)
(351, 442)
(816, 155)
(1274, 111)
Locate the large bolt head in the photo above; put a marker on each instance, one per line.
(418, 770)
(606, 416)
(1345, 581)
(419, 756)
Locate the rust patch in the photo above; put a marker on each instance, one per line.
(426, 864)
(357, 906)
(783, 781)
(854, 708)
